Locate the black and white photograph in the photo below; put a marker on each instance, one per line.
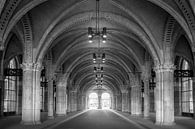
(97, 64)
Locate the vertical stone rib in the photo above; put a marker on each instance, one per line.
(31, 79)
(164, 95)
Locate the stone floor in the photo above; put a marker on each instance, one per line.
(96, 119)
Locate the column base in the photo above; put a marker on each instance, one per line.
(146, 117)
(30, 122)
(125, 111)
(60, 114)
(136, 114)
(165, 123)
(50, 117)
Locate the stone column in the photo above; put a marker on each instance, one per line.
(49, 75)
(60, 99)
(178, 96)
(164, 94)
(83, 102)
(112, 103)
(87, 102)
(73, 100)
(37, 88)
(136, 99)
(31, 94)
(115, 102)
(18, 96)
(193, 94)
(129, 100)
(132, 100)
(1, 94)
(125, 101)
(50, 100)
(99, 101)
(146, 98)
(119, 102)
(193, 86)
(79, 102)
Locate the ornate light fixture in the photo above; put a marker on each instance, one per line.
(99, 58)
(97, 33)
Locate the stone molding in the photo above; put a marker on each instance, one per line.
(124, 91)
(164, 68)
(31, 66)
(73, 91)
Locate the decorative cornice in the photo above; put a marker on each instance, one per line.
(7, 14)
(31, 66)
(187, 12)
(164, 68)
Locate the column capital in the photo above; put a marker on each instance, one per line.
(1, 45)
(37, 66)
(73, 91)
(124, 91)
(31, 66)
(2, 77)
(27, 66)
(164, 68)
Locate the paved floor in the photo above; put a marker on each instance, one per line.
(97, 119)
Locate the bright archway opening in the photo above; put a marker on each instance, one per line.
(106, 101)
(93, 101)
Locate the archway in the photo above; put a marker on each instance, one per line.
(106, 101)
(184, 88)
(93, 101)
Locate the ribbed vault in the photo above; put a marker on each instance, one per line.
(133, 32)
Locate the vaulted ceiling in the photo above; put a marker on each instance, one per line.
(135, 33)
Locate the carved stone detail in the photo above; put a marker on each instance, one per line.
(28, 45)
(164, 68)
(6, 15)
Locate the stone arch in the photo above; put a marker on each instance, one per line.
(35, 3)
(84, 17)
(183, 48)
(28, 43)
(168, 39)
(188, 13)
(6, 15)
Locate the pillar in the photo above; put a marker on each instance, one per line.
(79, 101)
(49, 75)
(194, 95)
(177, 96)
(146, 98)
(112, 102)
(136, 100)
(115, 102)
(146, 74)
(50, 100)
(31, 94)
(87, 102)
(125, 101)
(83, 102)
(73, 100)
(193, 86)
(99, 101)
(19, 96)
(164, 94)
(119, 102)
(135, 94)
(129, 100)
(60, 99)
(1, 94)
